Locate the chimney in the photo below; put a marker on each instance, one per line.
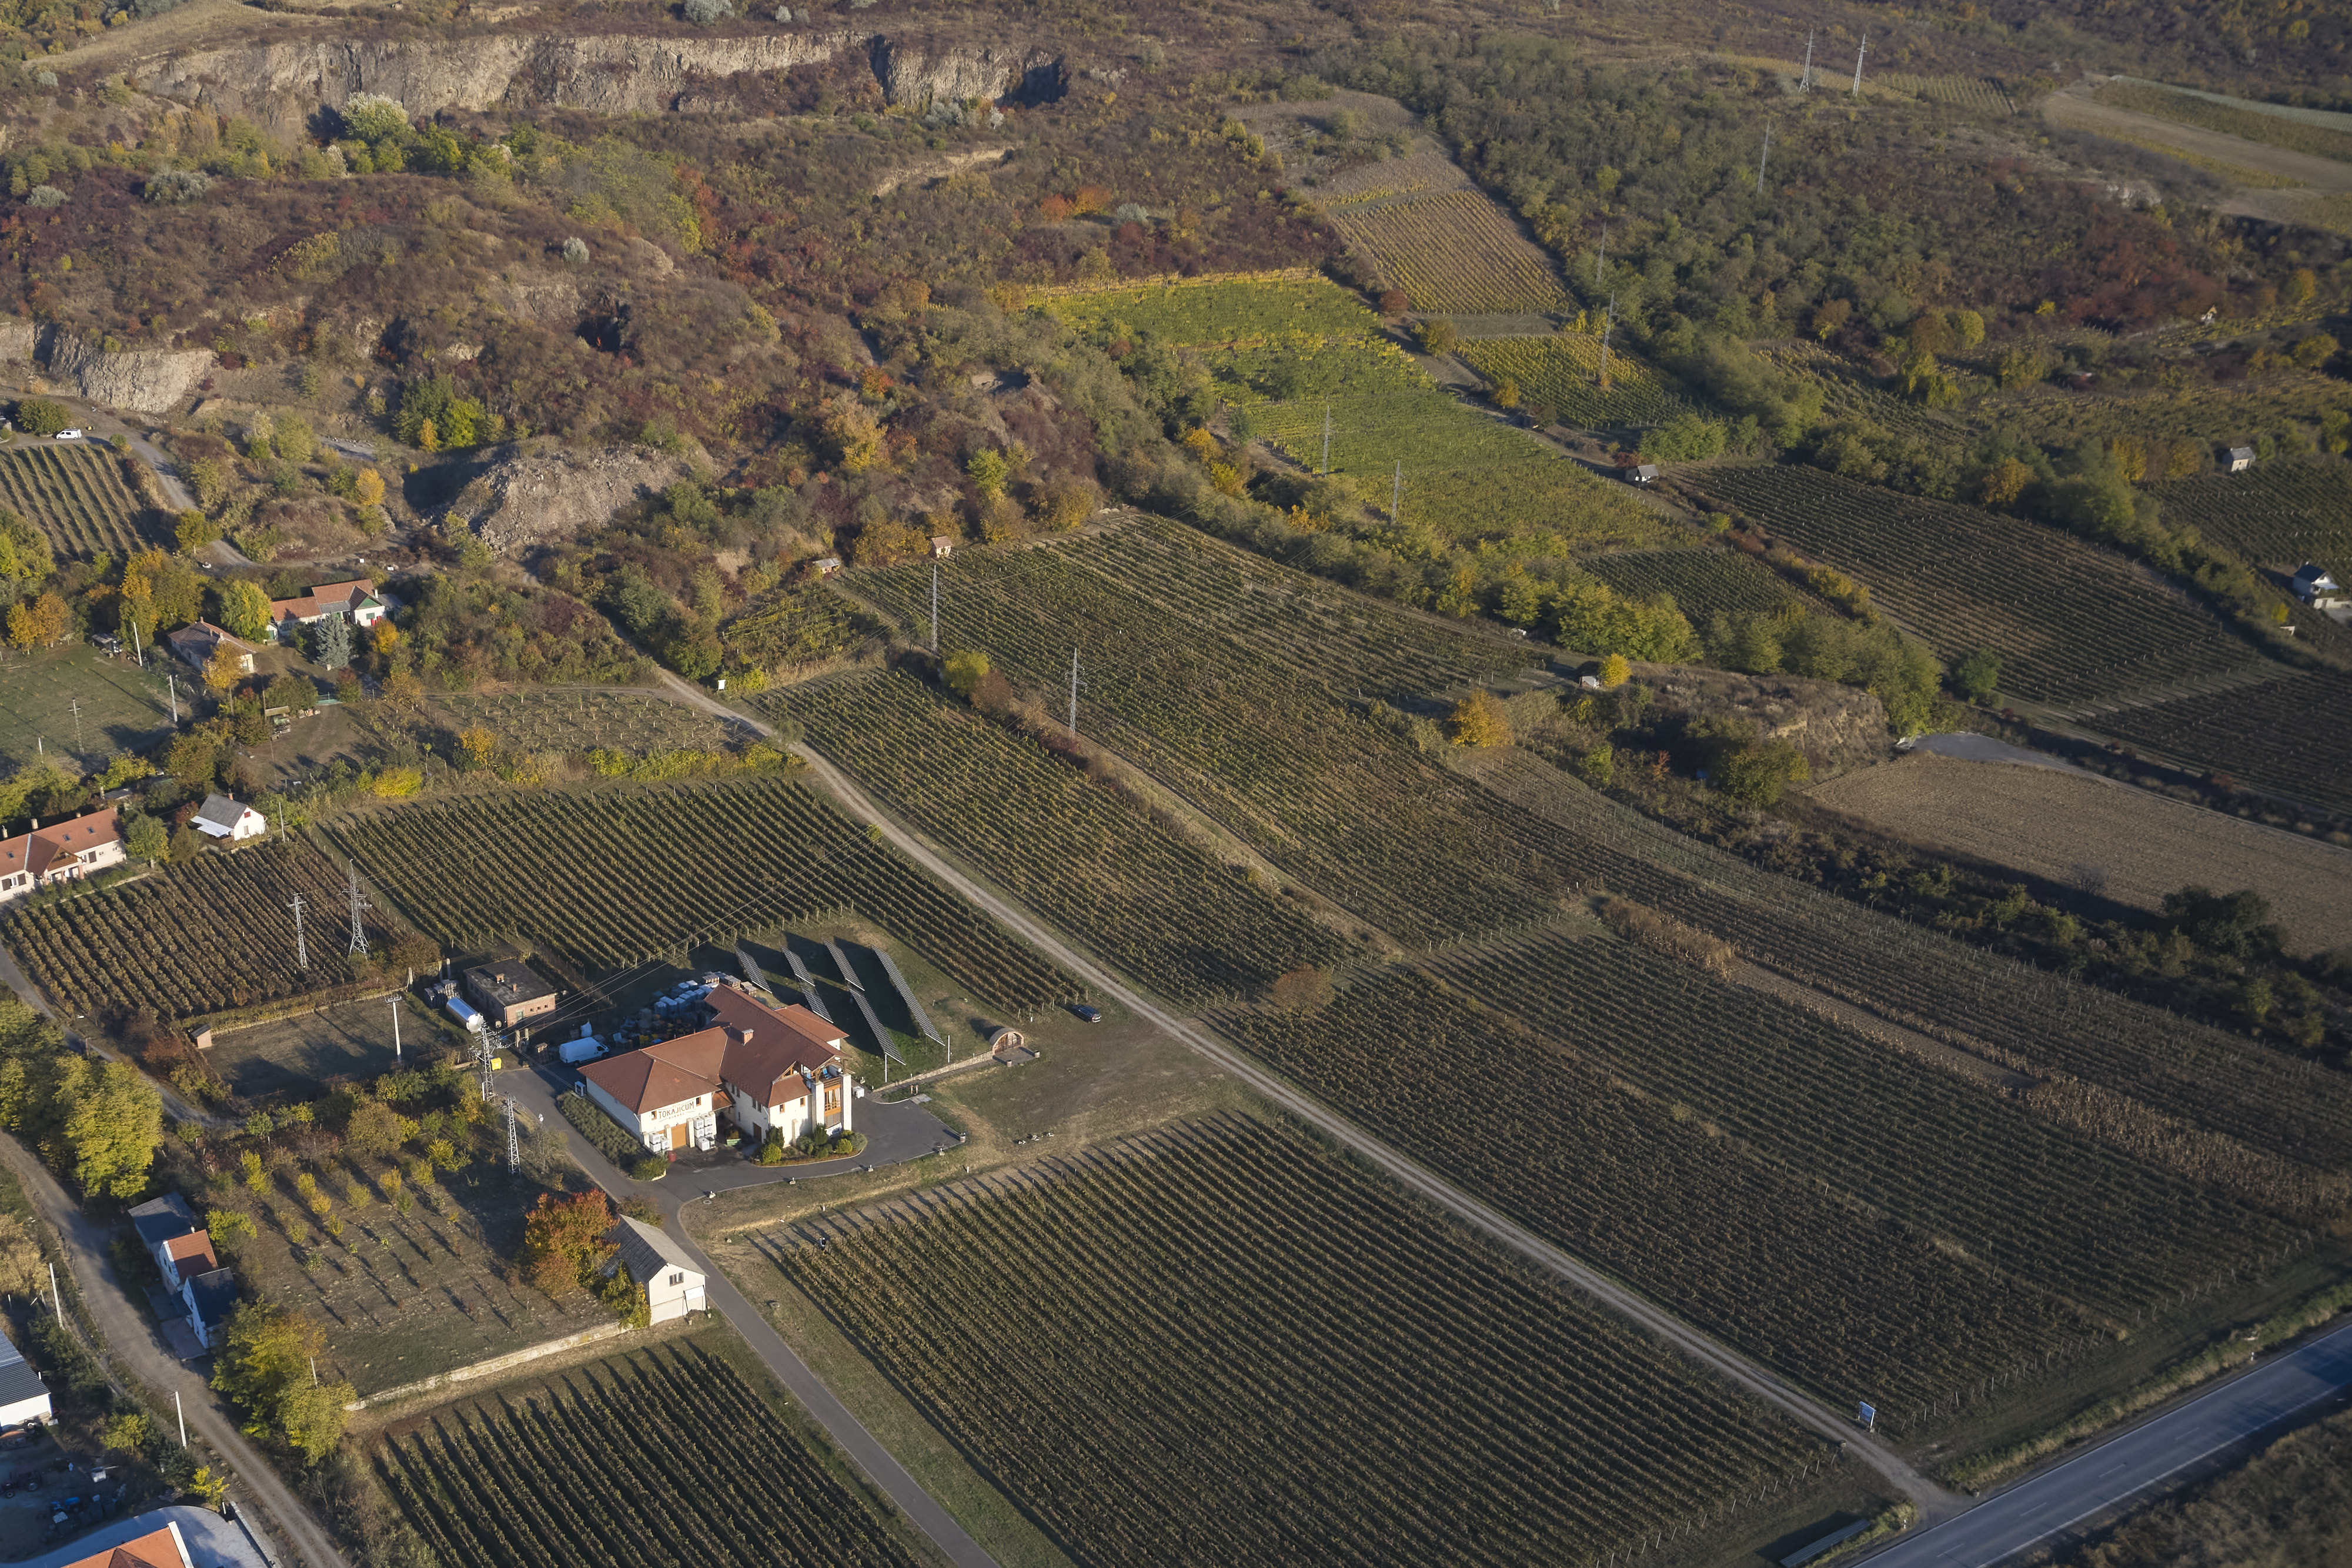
(747, 1037)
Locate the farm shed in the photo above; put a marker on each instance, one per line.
(509, 993)
(194, 645)
(671, 1281)
(943, 545)
(23, 1397)
(168, 1230)
(62, 852)
(1002, 1039)
(2315, 587)
(1642, 473)
(2241, 458)
(828, 566)
(222, 817)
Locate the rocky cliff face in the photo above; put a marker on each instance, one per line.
(520, 500)
(148, 380)
(283, 83)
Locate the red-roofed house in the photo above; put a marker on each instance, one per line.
(355, 600)
(196, 644)
(60, 853)
(158, 1549)
(766, 1067)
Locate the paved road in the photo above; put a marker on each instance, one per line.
(536, 1091)
(1932, 1501)
(131, 1336)
(2111, 1475)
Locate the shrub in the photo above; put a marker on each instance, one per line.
(44, 196)
(40, 416)
(575, 250)
(703, 13)
(650, 1167)
(176, 187)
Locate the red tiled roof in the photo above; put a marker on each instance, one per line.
(752, 1046)
(43, 849)
(159, 1549)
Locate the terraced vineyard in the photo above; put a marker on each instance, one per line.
(613, 877)
(2279, 515)
(1222, 311)
(1076, 851)
(1854, 1307)
(530, 1478)
(1704, 582)
(2044, 1204)
(2073, 622)
(2279, 735)
(1851, 391)
(1564, 373)
(1313, 783)
(1219, 1314)
(797, 626)
(77, 495)
(1299, 365)
(1986, 95)
(1452, 252)
(203, 937)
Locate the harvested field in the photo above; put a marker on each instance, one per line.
(2066, 826)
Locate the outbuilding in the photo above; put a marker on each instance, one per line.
(2315, 587)
(1642, 473)
(23, 1397)
(2241, 458)
(508, 993)
(222, 817)
(672, 1281)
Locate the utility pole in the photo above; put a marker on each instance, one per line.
(1074, 693)
(1396, 494)
(183, 1416)
(1607, 325)
(935, 608)
(57, 1301)
(74, 707)
(1857, 63)
(1327, 440)
(359, 931)
(396, 1029)
(1805, 81)
(514, 1140)
(302, 953)
(137, 657)
(1764, 158)
(483, 1052)
(174, 686)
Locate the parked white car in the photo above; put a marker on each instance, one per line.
(68, 436)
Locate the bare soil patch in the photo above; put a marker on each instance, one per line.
(2066, 827)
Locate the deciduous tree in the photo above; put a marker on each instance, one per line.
(563, 1245)
(1479, 719)
(244, 609)
(263, 1364)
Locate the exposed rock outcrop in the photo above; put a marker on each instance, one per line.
(17, 341)
(923, 171)
(612, 74)
(521, 499)
(147, 381)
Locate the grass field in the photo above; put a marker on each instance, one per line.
(1220, 310)
(611, 877)
(351, 1039)
(124, 707)
(2296, 134)
(2261, 735)
(213, 935)
(1218, 1315)
(2071, 622)
(2140, 846)
(1704, 582)
(75, 492)
(718, 1472)
(577, 720)
(1562, 372)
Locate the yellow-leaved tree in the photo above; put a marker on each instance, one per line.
(1479, 719)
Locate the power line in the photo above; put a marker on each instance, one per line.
(359, 931)
(1805, 81)
(1857, 63)
(302, 953)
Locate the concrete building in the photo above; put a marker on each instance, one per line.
(168, 1230)
(508, 993)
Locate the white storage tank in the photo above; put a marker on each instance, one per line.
(464, 1014)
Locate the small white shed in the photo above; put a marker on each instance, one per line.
(672, 1281)
(222, 817)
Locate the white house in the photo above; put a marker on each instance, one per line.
(23, 1397)
(2241, 458)
(210, 1298)
(670, 1279)
(222, 817)
(168, 1230)
(62, 852)
(766, 1067)
(2315, 588)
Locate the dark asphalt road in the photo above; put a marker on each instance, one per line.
(2110, 1475)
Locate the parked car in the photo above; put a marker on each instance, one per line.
(107, 642)
(1087, 1014)
(68, 436)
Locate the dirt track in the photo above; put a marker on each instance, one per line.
(2047, 823)
(2076, 110)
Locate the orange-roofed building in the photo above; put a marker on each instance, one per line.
(60, 853)
(157, 1549)
(764, 1067)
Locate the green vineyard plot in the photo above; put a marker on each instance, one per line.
(1452, 252)
(617, 876)
(77, 495)
(1564, 373)
(1704, 582)
(2073, 622)
(1851, 1305)
(2279, 515)
(1076, 851)
(210, 936)
(714, 1475)
(1218, 1316)
(2284, 735)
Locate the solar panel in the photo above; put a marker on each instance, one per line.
(907, 994)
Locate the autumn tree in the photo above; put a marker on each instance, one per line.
(1615, 671)
(24, 553)
(1437, 336)
(224, 669)
(113, 1128)
(481, 745)
(367, 487)
(1479, 719)
(2002, 486)
(42, 623)
(264, 1364)
(563, 1245)
(145, 838)
(376, 1128)
(963, 670)
(245, 610)
(21, 1270)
